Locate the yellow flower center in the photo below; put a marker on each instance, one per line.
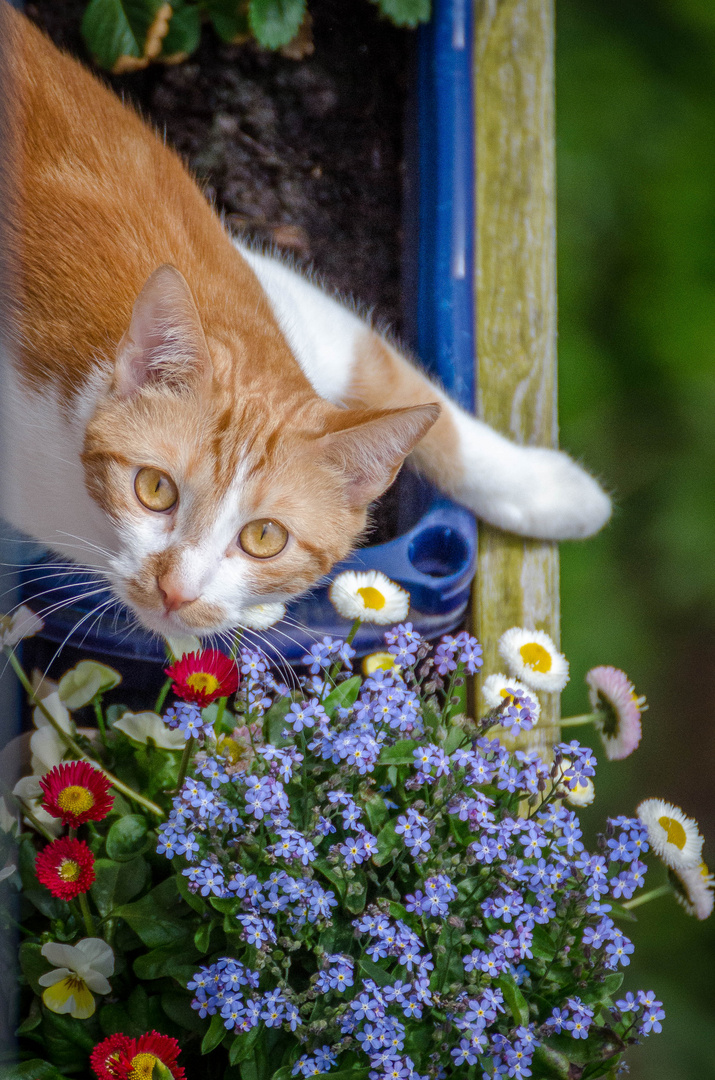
(76, 799)
(372, 598)
(379, 661)
(68, 870)
(203, 680)
(536, 656)
(143, 1066)
(675, 831)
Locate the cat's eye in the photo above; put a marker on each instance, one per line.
(155, 490)
(263, 538)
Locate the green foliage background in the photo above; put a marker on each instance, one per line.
(636, 168)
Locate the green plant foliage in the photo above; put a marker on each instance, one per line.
(406, 12)
(118, 30)
(275, 22)
(126, 35)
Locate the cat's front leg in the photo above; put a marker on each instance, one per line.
(529, 490)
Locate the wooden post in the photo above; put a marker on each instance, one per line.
(517, 581)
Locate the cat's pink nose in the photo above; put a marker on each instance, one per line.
(173, 595)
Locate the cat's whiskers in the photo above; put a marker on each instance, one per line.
(73, 630)
(36, 596)
(89, 544)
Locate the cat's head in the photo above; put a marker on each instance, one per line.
(227, 485)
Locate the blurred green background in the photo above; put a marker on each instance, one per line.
(636, 218)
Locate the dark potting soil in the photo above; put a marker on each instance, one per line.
(303, 154)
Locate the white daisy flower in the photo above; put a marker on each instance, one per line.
(22, 624)
(617, 710)
(81, 972)
(532, 656)
(370, 596)
(694, 890)
(495, 688)
(674, 837)
(261, 616)
(379, 661)
(142, 726)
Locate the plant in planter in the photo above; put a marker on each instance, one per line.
(347, 876)
(129, 36)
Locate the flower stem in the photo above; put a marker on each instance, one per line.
(579, 721)
(353, 631)
(646, 897)
(87, 915)
(27, 812)
(97, 703)
(162, 696)
(219, 712)
(74, 746)
(183, 766)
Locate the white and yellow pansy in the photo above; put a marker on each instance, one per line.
(80, 972)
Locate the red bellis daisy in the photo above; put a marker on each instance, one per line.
(65, 867)
(122, 1058)
(76, 793)
(203, 677)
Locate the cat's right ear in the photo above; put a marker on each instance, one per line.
(165, 343)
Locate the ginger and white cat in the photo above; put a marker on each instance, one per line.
(209, 422)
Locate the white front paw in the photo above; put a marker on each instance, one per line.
(536, 492)
(555, 498)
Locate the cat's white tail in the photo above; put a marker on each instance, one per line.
(532, 491)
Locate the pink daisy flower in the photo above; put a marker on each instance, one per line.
(618, 710)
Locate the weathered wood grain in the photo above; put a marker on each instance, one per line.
(517, 581)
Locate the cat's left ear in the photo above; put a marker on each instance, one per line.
(165, 343)
(369, 452)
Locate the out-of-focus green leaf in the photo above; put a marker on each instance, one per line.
(123, 35)
(275, 22)
(229, 19)
(127, 838)
(117, 883)
(83, 682)
(405, 12)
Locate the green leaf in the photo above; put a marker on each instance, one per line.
(184, 33)
(154, 918)
(333, 876)
(600, 1045)
(178, 1008)
(345, 693)
(67, 1041)
(229, 19)
(514, 999)
(375, 972)
(541, 943)
(117, 883)
(202, 936)
(30, 1070)
(377, 812)
(166, 961)
(551, 1064)
(116, 32)
(406, 12)
(602, 991)
(400, 753)
(387, 842)
(242, 1047)
(356, 893)
(33, 964)
(275, 23)
(214, 1035)
(128, 838)
(82, 683)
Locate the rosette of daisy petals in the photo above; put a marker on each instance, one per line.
(617, 711)
(203, 677)
(121, 1058)
(76, 792)
(674, 837)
